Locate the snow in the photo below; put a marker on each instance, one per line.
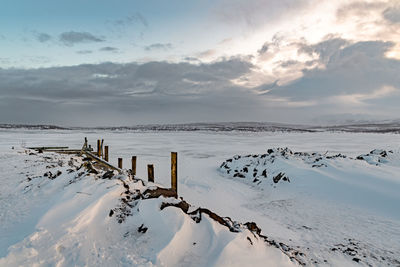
(325, 212)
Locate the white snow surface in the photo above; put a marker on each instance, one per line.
(346, 210)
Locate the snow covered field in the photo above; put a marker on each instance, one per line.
(342, 214)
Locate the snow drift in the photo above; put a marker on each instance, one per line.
(331, 189)
(84, 216)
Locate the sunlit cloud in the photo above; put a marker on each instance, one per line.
(360, 99)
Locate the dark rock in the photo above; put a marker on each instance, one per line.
(93, 171)
(278, 177)
(155, 193)
(126, 186)
(239, 175)
(196, 215)
(183, 205)
(252, 226)
(108, 175)
(142, 229)
(264, 173)
(111, 213)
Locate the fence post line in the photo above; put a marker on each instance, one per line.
(174, 172)
(120, 163)
(106, 153)
(133, 165)
(150, 172)
(98, 148)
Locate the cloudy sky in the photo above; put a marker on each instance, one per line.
(125, 62)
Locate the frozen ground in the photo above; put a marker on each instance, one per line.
(332, 222)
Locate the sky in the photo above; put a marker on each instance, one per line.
(126, 62)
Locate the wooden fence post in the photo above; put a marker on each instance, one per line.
(150, 172)
(174, 172)
(120, 163)
(98, 148)
(106, 153)
(133, 165)
(101, 148)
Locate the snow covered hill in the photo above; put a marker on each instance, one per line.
(83, 216)
(332, 188)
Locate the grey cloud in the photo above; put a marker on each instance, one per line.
(392, 14)
(324, 49)
(131, 93)
(71, 38)
(207, 53)
(359, 68)
(43, 37)
(162, 92)
(122, 27)
(191, 59)
(84, 52)
(5, 60)
(255, 13)
(288, 63)
(132, 19)
(358, 8)
(109, 49)
(263, 49)
(159, 46)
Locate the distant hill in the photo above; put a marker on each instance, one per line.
(367, 127)
(31, 126)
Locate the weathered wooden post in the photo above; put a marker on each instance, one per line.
(106, 153)
(120, 163)
(101, 148)
(133, 165)
(174, 172)
(98, 148)
(150, 172)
